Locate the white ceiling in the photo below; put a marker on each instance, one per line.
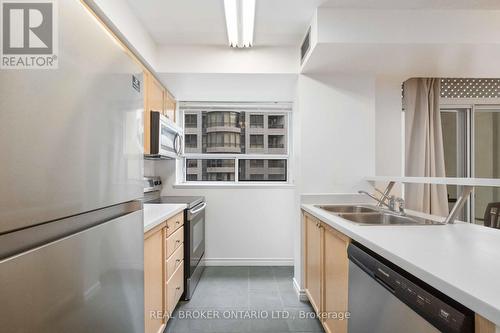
(202, 22)
(278, 22)
(413, 4)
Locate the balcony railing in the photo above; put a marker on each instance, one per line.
(222, 124)
(223, 145)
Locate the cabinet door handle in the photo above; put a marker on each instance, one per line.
(178, 241)
(177, 222)
(178, 288)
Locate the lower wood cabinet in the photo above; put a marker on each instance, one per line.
(335, 279)
(313, 249)
(326, 272)
(326, 275)
(175, 288)
(163, 272)
(174, 261)
(153, 282)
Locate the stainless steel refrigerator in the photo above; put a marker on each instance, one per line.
(71, 232)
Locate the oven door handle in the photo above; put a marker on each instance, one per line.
(197, 210)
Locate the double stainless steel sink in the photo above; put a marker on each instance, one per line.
(371, 215)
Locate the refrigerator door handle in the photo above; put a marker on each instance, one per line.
(22, 240)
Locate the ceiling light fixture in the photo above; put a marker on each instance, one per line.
(240, 19)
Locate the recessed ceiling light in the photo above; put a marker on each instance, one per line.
(240, 19)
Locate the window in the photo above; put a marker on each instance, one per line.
(191, 120)
(470, 142)
(257, 121)
(218, 141)
(191, 140)
(276, 163)
(256, 141)
(192, 164)
(276, 121)
(223, 119)
(236, 142)
(265, 170)
(256, 163)
(210, 170)
(191, 177)
(276, 141)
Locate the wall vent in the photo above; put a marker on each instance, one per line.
(306, 46)
(470, 88)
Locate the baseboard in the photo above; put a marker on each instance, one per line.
(301, 294)
(248, 261)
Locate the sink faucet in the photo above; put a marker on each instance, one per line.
(388, 201)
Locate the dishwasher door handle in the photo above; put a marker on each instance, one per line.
(384, 284)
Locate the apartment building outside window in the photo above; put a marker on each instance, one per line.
(191, 140)
(191, 121)
(257, 121)
(236, 142)
(276, 121)
(256, 141)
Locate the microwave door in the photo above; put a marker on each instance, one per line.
(167, 141)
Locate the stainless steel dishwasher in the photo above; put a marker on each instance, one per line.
(383, 298)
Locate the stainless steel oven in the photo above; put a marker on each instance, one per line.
(194, 249)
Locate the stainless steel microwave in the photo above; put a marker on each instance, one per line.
(166, 138)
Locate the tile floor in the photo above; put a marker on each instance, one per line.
(244, 299)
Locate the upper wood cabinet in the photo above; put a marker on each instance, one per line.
(155, 92)
(169, 105)
(156, 98)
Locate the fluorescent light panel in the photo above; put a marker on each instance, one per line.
(240, 21)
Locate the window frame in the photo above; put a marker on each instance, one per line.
(282, 107)
(470, 107)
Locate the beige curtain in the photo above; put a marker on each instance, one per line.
(424, 146)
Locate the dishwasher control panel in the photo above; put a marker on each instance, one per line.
(441, 311)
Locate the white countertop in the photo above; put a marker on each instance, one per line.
(155, 214)
(462, 260)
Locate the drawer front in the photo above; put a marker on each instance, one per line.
(174, 261)
(175, 223)
(175, 288)
(174, 241)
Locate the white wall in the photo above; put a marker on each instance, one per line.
(408, 26)
(230, 87)
(222, 59)
(389, 139)
(121, 15)
(245, 226)
(337, 120)
(335, 127)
